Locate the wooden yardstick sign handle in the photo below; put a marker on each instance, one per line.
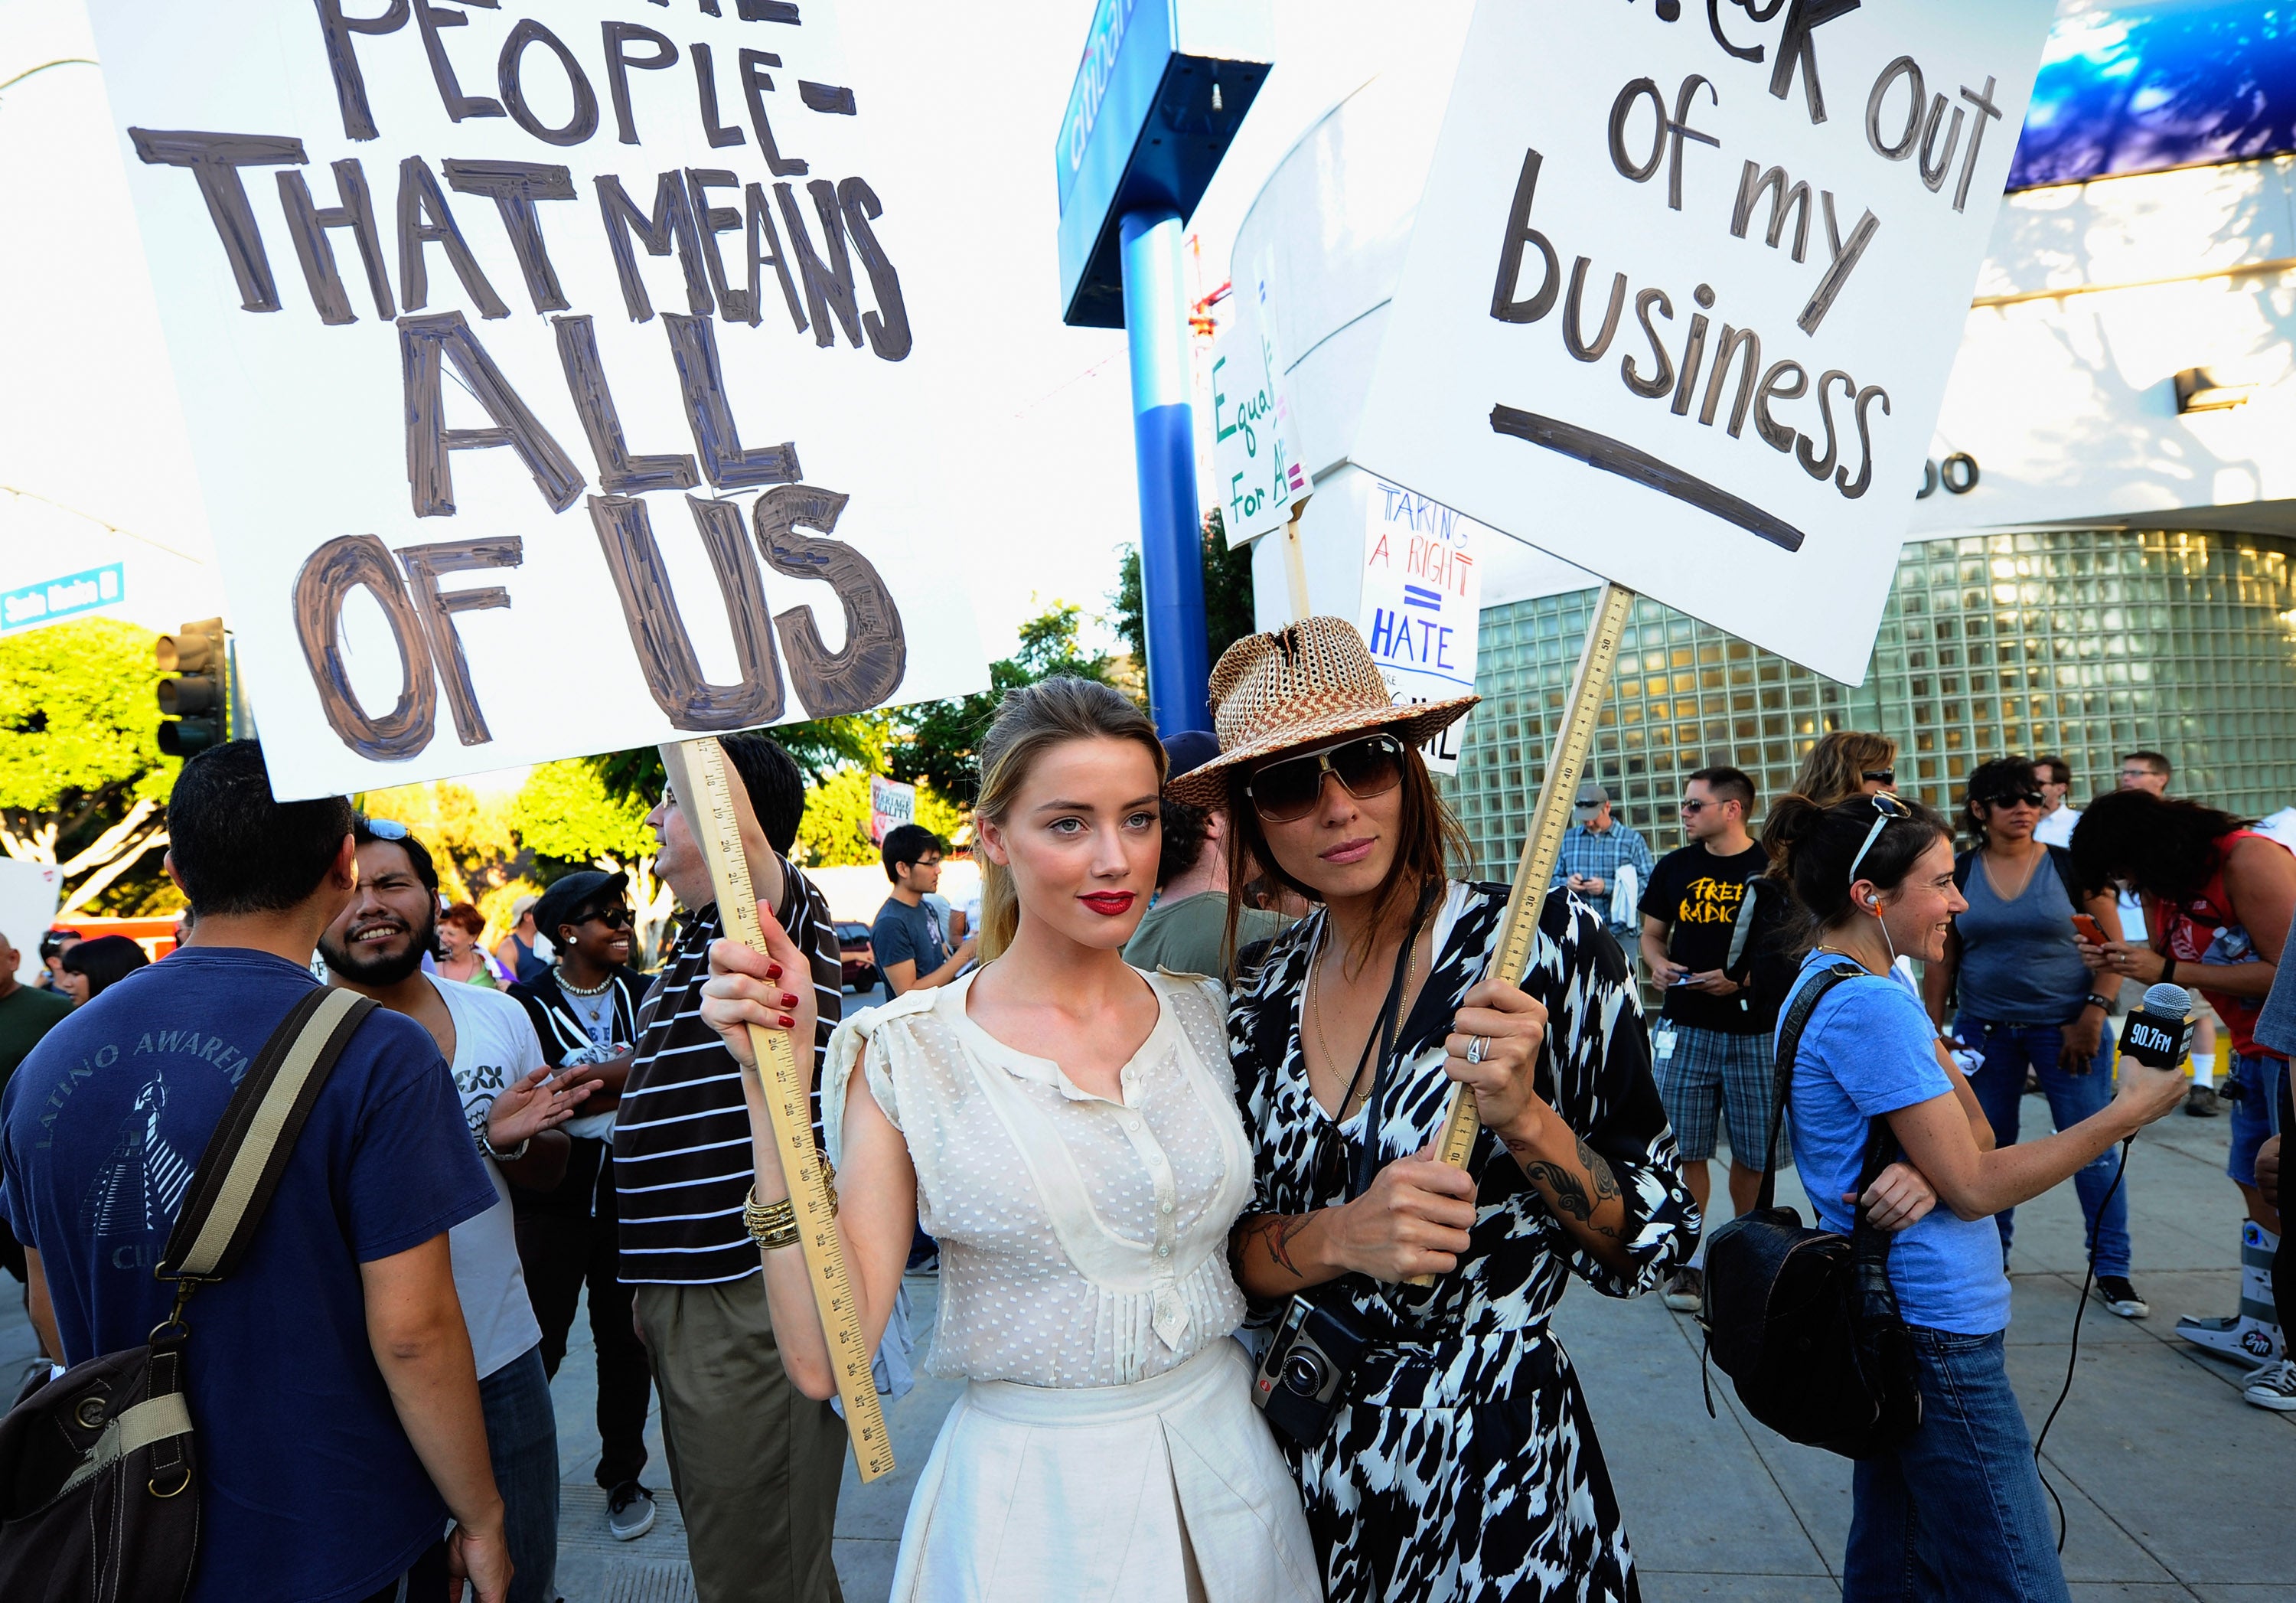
(1556, 793)
(715, 812)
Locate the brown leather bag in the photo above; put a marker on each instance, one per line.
(99, 1501)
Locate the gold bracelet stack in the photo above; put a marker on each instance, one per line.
(774, 1224)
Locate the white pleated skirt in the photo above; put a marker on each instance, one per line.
(1165, 1490)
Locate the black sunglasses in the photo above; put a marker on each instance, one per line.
(1881, 776)
(613, 918)
(1369, 766)
(2010, 799)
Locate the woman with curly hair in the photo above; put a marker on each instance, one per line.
(2219, 898)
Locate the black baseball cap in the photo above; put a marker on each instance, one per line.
(1188, 750)
(580, 891)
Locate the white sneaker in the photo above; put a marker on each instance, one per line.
(2274, 1386)
(2237, 1336)
(1686, 1292)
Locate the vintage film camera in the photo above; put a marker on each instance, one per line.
(1300, 1375)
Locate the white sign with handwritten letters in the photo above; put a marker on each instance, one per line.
(551, 370)
(1257, 477)
(1693, 278)
(892, 804)
(1422, 597)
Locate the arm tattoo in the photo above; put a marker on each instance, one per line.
(1276, 1231)
(1606, 1183)
(1570, 1191)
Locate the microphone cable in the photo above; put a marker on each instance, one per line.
(2073, 1356)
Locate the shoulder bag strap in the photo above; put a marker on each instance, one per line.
(1789, 1043)
(248, 1151)
(1363, 1166)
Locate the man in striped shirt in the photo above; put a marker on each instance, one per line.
(755, 1463)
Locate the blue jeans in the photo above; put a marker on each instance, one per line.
(1958, 1513)
(522, 1442)
(2255, 1111)
(1999, 1084)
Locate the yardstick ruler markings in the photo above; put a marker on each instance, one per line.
(1519, 926)
(698, 777)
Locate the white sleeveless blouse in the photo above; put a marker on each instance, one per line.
(1083, 1241)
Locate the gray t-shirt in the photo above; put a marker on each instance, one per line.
(910, 935)
(2018, 960)
(1187, 936)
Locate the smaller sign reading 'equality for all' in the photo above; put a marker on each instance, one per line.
(1257, 479)
(1422, 596)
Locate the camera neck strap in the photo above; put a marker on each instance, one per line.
(1363, 1156)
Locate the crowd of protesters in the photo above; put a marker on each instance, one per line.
(517, 1131)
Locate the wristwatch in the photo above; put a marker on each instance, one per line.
(2095, 1000)
(498, 1155)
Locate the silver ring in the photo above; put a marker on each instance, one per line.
(1475, 1045)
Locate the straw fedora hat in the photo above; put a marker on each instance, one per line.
(1306, 684)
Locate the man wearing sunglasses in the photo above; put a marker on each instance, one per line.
(1704, 923)
(585, 1009)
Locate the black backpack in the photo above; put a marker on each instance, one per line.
(99, 1494)
(1804, 1321)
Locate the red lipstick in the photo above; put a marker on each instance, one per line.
(1110, 904)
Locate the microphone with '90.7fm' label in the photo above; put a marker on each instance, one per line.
(2160, 1027)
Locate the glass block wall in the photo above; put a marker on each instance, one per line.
(2085, 643)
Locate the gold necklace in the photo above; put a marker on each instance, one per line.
(1353, 1098)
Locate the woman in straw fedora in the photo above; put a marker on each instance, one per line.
(1066, 1127)
(1460, 1462)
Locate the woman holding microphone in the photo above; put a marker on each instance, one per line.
(1957, 1510)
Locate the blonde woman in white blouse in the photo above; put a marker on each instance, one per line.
(1065, 1126)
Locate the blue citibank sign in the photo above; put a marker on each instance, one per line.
(1162, 90)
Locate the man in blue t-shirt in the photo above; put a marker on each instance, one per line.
(330, 1380)
(911, 944)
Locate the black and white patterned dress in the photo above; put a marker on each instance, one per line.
(1463, 1465)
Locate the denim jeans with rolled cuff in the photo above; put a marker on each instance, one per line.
(1999, 1084)
(1958, 1512)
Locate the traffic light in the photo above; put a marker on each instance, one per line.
(199, 698)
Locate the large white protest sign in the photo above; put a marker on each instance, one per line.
(549, 368)
(1422, 602)
(1682, 294)
(1256, 471)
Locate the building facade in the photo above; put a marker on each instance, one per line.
(2085, 643)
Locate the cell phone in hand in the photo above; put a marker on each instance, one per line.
(2088, 929)
(1684, 978)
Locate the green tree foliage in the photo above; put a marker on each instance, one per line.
(567, 817)
(835, 830)
(820, 747)
(471, 840)
(82, 782)
(939, 742)
(1227, 595)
